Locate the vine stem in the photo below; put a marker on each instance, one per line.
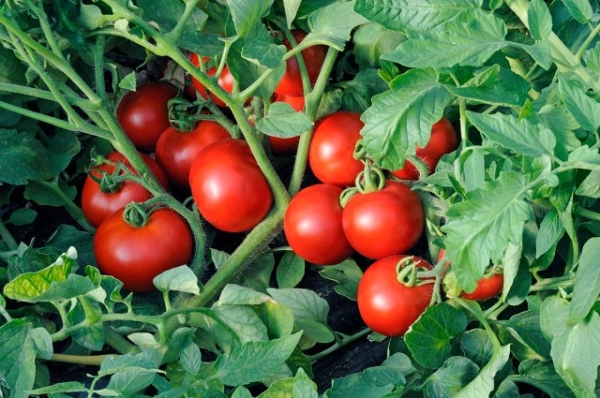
(7, 237)
(340, 343)
(88, 360)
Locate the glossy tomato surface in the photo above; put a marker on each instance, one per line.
(285, 146)
(443, 140)
(98, 205)
(144, 115)
(385, 222)
(314, 56)
(313, 225)
(487, 287)
(331, 152)
(176, 150)
(225, 81)
(135, 255)
(385, 304)
(228, 187)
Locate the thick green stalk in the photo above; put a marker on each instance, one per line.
(7, 237)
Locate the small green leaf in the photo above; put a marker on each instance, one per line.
(240, 295)
(283, 121)
(326, 26)
(584, 109)
(190, 357)
(483, 384)
(290, 270)
(23, 158)
(590, 186)
(540, 20)
(433, 332)
(22, 217)
(543, 376)
(580, 9)
(525, 327)
(178, 279)
(246, 14)
(347, 274)
(450, 378)
(60, 388)
(16, 347)
(477, 346)
(551, 230)
(587, 282)
(264, 53)
(62, 148)
(130, 373)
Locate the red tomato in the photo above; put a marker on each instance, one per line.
(135, 255)
(314, 56)
(98, 205)
(331, 152)
(144, 115)
(228, 187)
(386, 305)
(443, 140)
(176, 150)
(284, 146)
(225, 80)
(385, 222)
(487, 287)
(313, 225)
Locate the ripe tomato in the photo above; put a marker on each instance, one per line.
(385, 222)
(135, 255)
(386, 305)
(487, 287)
(176, 150)
(144, 115)
(285, 146)
(331, 152)
(225, 80)
(313, 225)
(314, 56)
(98, 205)
(228, 187)
(443, 140)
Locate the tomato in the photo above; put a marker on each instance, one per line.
(135, 255)
(284, 146)
(385, 222)
(386, 305)
(487, 287)
(313, 225)
(225, 80)
(331, 152)
(176, 150)
(228, 186)
(144, 115)
(314, 56)
(443, 140)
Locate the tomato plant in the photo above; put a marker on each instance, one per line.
(103, 192)
(331, 153)
(228, 186)
(136, 254)
(144, 115)
(313, 225)
(388, 304)
(176, 150)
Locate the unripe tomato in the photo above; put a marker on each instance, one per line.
(443, 140)
(314, 56)
(228, 186)
(136, 255)
(386, 305)
(98, 205)
(144, 115)
(385, 222)
(313, 225)
(176, 150)
(225, 81)
(331, 152)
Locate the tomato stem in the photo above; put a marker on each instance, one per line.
(136, 215)
(7, 237)
(340, 342)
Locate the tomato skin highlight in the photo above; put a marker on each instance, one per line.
(286, 146)
(176, 150)
(97, 205)
(386, 305)
(225, 81)
(385, 222)
(314, 57)
(144, 115)
(331, 151)
(486, 288)
(228, 186)
(136, 255)
(443, 140)
(313, 225)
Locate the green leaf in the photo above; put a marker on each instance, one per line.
(283, 121)
(130, 373)
(483, 384)
(551, 230)
(17, 356)
(370, 41)
(22, 217)
(450, 378)
(477, 346)
(590, 186)
(91, 337)
(481, 227)
(23, 158)
(326, 26)
(584, 109)
(518, 135)
(242, 321)
(402, 117)
(62, 148)
(67, 236)
(239, 295)
(417, 15)
(50, 193)
(246, 14)
(540, 20)
(290, 270)
(587, 282)
(467, 43)
(433, 332)
(580, 9)
(190, 357)
(178, 279)
(304, 387)
(264, 53)
(347, 275)
(359, 91)
(291, 8)
(60, 388)
(543, 376)
(525, 327)
(254, 360)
